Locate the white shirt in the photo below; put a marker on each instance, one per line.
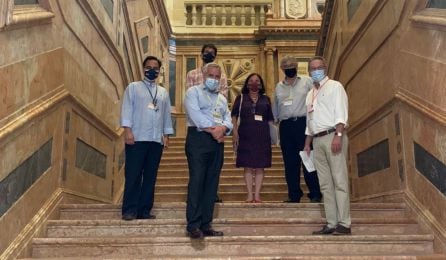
(326, 107)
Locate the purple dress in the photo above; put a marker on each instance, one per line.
(254, 150)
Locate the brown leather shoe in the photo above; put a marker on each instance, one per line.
(341, 230)
(212, 233)
(324, 231)
(195, 234)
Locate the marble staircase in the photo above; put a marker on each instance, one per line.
(269, 230)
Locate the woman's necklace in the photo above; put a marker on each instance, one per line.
(254, 98)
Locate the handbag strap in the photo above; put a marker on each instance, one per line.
(240, 109)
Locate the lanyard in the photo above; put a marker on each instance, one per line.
(317, 92)
(150, 92)
(214, 107)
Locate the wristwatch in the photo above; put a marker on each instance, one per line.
(339, 134)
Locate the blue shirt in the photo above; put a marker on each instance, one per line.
(137, 113)
(206, 109)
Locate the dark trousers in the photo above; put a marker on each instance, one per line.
(205, 160)
(141, 167)
(292, 140)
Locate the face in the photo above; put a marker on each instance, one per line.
(213, 72)
(151, 64)
(254, 83)
(209, 50)
(288, 65)
(316, 65)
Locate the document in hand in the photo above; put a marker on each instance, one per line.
(307, 160)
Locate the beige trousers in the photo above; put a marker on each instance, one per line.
(333, 179)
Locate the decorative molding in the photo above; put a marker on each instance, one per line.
(32, 229)
(379, 196)
(31, 112)
(86, 196)
(296, 9)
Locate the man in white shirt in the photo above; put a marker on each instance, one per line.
(327, 115)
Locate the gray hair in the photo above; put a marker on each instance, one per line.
(211, 65)
(288, 60)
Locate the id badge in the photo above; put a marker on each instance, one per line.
(218, 118)
(288, 102)
(258, 117)
(151, 106)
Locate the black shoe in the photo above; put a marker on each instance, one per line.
(195, 234)
(315, 200)
(324, 231)
(146, 216)
(218, 200)
(291, 201)
(128, 217)
(341, 230)
(212, 233)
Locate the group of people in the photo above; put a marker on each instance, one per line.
(312, 113)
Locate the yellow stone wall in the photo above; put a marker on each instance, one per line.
(63, 70)
(390, 57)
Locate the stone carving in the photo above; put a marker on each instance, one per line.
(236, 71)
(295, 8)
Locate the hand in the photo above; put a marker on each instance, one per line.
(235, 140)
(218, 132)
(166, 141)
(336, 144)
(307, 149)
(128, 136)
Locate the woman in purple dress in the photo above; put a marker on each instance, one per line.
(251, 137)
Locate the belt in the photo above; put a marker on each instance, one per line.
(326, 132)
(294, 118)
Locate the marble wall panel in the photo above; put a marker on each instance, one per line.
(90, 160)
(380, 181)
(78, 180)
(26, 174)
(431, 136)
(365, 45)
(19, 152)
(374, 159)
(432, 168)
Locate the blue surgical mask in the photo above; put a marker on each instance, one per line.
(211, 84)
(318, 75)
(151, 74)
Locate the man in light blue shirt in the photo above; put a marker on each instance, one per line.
(208, 121)
(146, 119)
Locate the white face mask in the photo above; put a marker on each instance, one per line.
(211, 84)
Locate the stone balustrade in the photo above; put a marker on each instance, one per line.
(230, 13)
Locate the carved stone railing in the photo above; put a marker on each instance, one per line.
(243, 13)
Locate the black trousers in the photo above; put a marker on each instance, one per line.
(142, 160)
(205, 160)
(292, 140)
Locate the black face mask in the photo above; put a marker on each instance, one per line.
(151, 74)
(290, 73)
(208, 57)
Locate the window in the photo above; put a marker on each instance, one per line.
(26, 2)
(16, 13)
(439, 4)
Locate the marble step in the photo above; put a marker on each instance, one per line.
(227, 147)
(230, 179)
(226, 171)
(240, 196)
(227, 152)
(231, 227)
(233, 246)
(182, 164)
(271, 257)
(160, 190)
(237, 210)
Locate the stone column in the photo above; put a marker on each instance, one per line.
(270, 70)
